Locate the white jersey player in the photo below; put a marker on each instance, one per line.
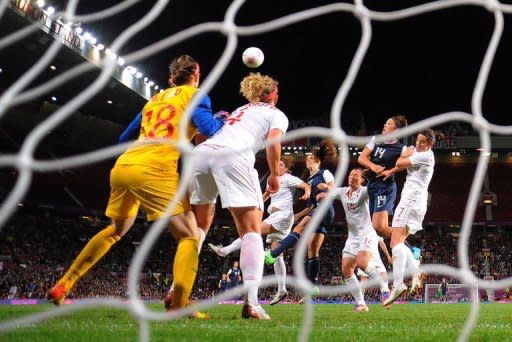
(278, 224)
(221, 168)
(362, 245)
(411, 210)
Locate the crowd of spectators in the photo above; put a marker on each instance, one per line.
(37, 247)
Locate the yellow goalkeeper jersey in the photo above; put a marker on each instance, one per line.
(160, 120)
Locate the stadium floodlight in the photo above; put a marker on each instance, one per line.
(151, 83)
(53, 67)
(131, 70)
(109, 101)
(138, 74)
(54, 98)
(87, 36)
(50, 10)
(100, 46)
(40, 3)
(111, 54)
(120, 61)
(145, 79)
(156, 87)
(79, 30)
(93, 40)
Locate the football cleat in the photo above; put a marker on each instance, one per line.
(168, 307)
(168, 299)
(217, 249)
(360, 308)
(57, 294)
(279, 297)
(269, 259)
(254, 311)
(395, 294)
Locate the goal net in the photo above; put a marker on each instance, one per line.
(26, 163)
(457, 293)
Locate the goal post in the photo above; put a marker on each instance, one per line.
(457, 293)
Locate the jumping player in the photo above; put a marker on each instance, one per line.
(146, 175)
(220, 169)
(278, 224)
(317, 175)
(362, 245)
(411, 210)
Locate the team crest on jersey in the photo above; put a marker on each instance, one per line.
(352, 206)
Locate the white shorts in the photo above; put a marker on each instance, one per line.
(231, 176)
(367, 243)
(410, 212)
(282, 221)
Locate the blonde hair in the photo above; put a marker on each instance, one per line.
(255, 87)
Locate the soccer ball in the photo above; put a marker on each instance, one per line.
(253, 57)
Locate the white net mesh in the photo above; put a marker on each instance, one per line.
(26, 164)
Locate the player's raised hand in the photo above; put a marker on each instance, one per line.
(408, 152)
(385, 174)
(378, 169)
(322, 186)
(221, 114)
(273, 184)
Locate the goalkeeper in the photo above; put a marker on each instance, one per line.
(147, 175)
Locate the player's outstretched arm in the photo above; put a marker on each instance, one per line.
(273, 157)
(204, 120)
(364, 160)
(307, 190)
(134, 126)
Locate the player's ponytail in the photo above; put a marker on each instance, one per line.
(327, 151)
(400, 121)
(182, 69)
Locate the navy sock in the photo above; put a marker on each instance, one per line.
(288, 242)
(314, 269)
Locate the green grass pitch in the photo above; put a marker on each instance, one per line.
(414, 322)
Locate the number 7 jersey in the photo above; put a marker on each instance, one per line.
(160, 120)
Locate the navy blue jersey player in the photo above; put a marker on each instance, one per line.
(317, 175)
(377, 158)
(234, 275)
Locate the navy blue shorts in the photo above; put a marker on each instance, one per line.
(381, 197)
(326, 220)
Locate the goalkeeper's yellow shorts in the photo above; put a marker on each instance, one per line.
(132, 186)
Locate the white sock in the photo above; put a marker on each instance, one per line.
(412, 264)
(355, 290)
(399, 263)
(202, 237)
(251, 264)
(280, 271)
(233, 246)
(371, 271)
(384, 287)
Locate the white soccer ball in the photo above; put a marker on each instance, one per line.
(253, 57)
